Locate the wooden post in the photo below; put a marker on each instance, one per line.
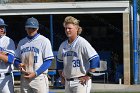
(126, 48)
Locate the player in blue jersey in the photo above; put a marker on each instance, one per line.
(34, 56)
(7, 48)
(76, 59)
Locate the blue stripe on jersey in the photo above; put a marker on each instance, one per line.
(60, 65)
(10, 58)
(59, 60)
(93, 57)
(4, 50)
(51, 57)
(46, 64)
(95, 62)
(72, 44)
(10, 53)
(16, 63)
(17, 58)
(36, 35)
(31, 37)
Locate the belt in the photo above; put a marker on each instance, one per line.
(72, 79)
(6, 74)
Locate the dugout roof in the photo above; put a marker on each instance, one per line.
(64, 8)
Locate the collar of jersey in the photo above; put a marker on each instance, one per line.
(74, 42)
(2, 36)
(31, 37)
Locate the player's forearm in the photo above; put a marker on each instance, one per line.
(6, 57)
(44, 67)
(95, 62)
(17, 63)
(92, 70)
(11, 58)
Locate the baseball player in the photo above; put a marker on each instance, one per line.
(76, 59)
(33, 57)
(7, 48)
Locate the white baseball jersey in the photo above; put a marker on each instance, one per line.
(6, 81)
(76, 57)
(32, 52)
(6, 45)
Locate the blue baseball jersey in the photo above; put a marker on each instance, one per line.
(76, 57)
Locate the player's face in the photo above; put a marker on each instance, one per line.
(31, 31)
(71, 30)
(2, 32)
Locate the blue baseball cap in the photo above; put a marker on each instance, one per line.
(2, 23)
(32, 23)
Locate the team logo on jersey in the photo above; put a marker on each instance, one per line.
(28, 49)
(70, 53)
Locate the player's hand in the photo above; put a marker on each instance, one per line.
(30, 75)
(3, 57)
(84, 79)
(21, 65)
(3, 53)
(22, 68)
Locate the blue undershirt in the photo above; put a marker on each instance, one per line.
(95, 62)
(46, 64)
(16, 63)
(10, 58)
(31, 37)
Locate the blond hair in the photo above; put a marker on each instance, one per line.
(72, 20)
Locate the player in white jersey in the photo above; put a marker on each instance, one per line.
(76, 59)
(34, 56)
(7, 48)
